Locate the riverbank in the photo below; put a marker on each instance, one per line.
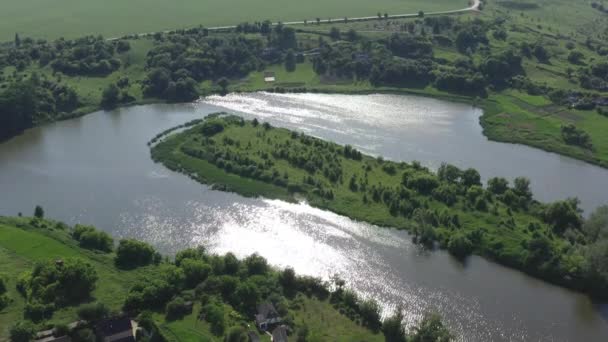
(254, 159)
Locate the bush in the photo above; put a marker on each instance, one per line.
(211, 128)
(176, 309)
(68, 282)
(256, 264)
(575, 136)
(370, 314)
(22, 331)
(132, 253)
(460, 246)
(39, 212)
(195, 271)
(93, 312)
(498, 185)
(90, 238)
(36, 311)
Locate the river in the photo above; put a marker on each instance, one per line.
(96, 169)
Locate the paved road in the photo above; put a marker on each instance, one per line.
(473, 7)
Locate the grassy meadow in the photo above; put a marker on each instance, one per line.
(111, 18)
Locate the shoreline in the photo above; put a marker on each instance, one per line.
(483, 104)
(207, 173)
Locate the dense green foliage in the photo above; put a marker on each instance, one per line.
(53, 284)
(89, 237)
(132, 253)
(502, 222)
(25, 103)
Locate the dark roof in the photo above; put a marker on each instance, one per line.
(114, 326)
(266, 310)
(253, 336)
(279, 334)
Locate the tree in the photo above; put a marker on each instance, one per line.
(596, 262)
(334, 33)
(256, 264)
(563, 215)
(575, 57)
(521, 187)
(498, 185)
(459, 245)
(420, 14)
(541, 53)
(393, 329)
(196, 271)
(596, 226)
(17, 40)
(449, 173)
(352, 35)
(471, 177)
(39, 212)
(61, 283)
(290, 61)
(223, 83)
(93, 312)
(90, 238)
(431, 329)
(370, 314)
(132, 253)
(22, 331)
(110, 97)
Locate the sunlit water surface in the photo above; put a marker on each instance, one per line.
(97, 170)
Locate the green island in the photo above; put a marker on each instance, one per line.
(502, 222)
(539, 70)
(69, 280)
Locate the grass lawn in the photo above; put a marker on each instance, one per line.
(512, 116)
(327, 324)
(75, 18)
(21, 248)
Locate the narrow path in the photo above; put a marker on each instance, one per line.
(473, 7)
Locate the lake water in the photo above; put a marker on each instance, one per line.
(97, 170)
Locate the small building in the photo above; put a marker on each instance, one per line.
(279, 334)
(269, 76)
(266, 316)
(118, 329)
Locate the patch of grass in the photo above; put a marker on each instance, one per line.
(21, 245)
(518, 118)
(325, 323)
(74, 18)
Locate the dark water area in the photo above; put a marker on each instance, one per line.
(97, 170)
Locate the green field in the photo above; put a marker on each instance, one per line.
(75, 18)
(21, 245)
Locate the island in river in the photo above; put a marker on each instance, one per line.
(451, 207)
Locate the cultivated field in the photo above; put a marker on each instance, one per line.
(75, 18)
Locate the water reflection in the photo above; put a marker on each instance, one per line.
(97, 170)
(412, 128)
